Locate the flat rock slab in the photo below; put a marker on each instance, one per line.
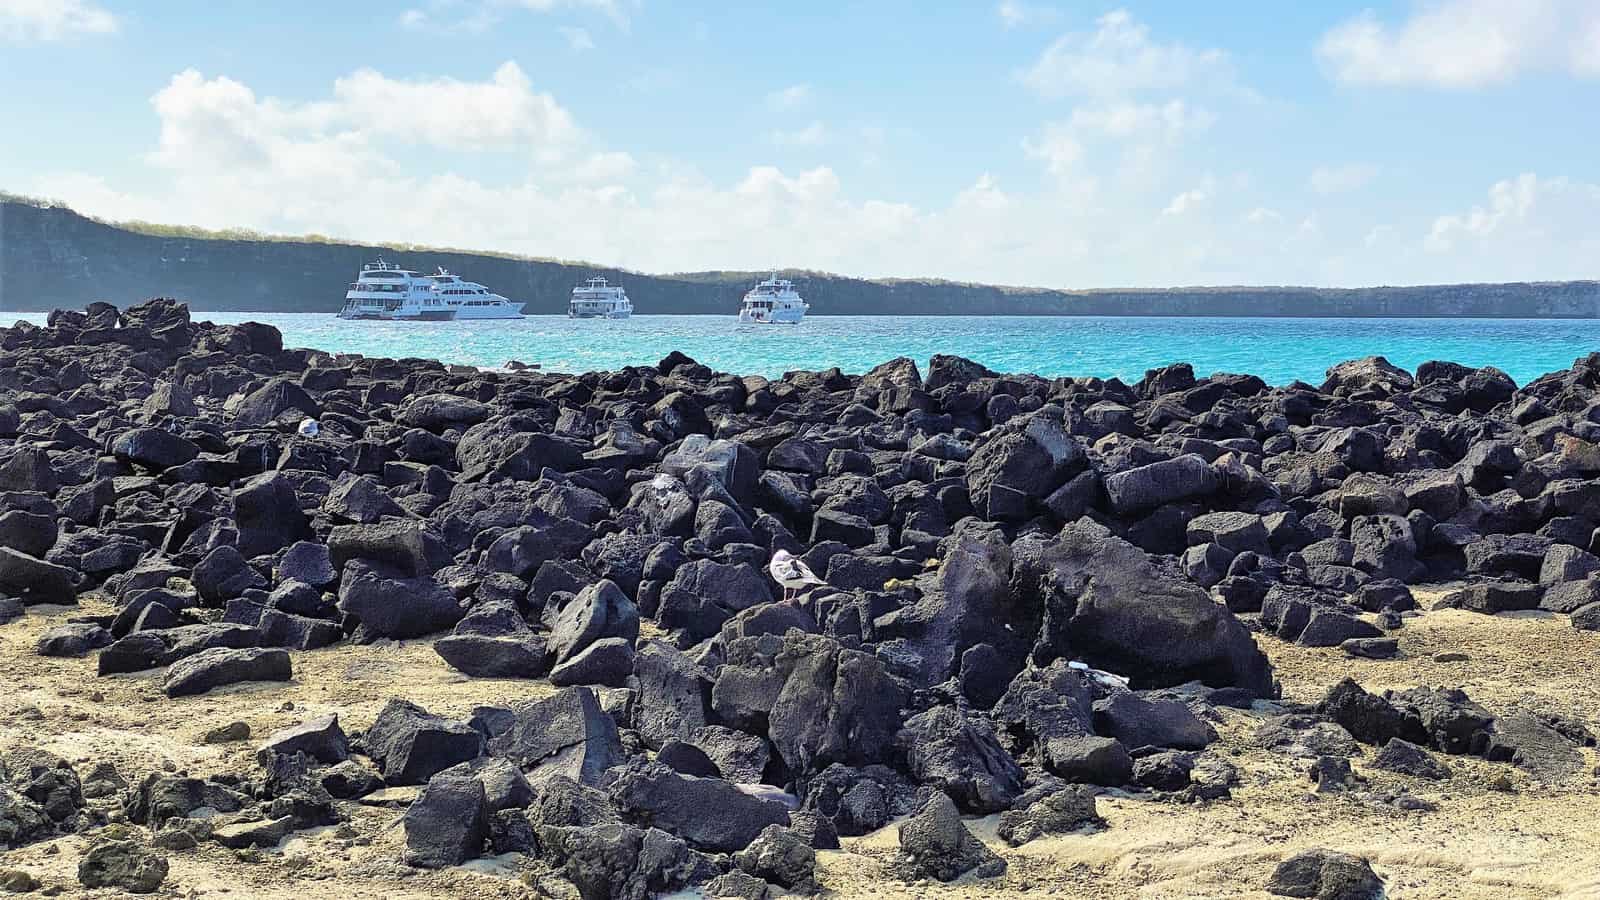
(1529, 744)
(221, 666)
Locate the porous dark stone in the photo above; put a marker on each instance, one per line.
(1325, 875)
(678, 804)
(123, 865)
(320, 738)
(447, 824)
(411, 745)
(936, 844)
(1059, 812)
(33, 580)
(221, 666)
(1402, 756)
(567, 734)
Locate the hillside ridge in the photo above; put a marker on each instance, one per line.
(53, 257)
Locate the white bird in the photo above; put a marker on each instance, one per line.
(309, 428)
(790, 572)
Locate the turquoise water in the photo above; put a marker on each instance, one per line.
(1278, 350)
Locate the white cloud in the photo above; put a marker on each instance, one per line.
(26, 21)
(1530, 228)
(1342, 179)
(1057, 147)
(609, 7)
(478, 16)
(219, 124)
(606, 167)
(1510, 201)
(1015, 14)
(227, 156)
(1136, 103)
(578, 39)
(1167, 121)
(790, 97)
(1119, 59)
(1465, 43)
(504, 112)
(813, 135)
(1187, 201)
(984, 193)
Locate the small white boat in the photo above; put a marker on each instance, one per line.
(595, 299)
(773, 302)
(471, 300)
(391, 293)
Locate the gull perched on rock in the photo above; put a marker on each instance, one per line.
(790, 572)
(309, 428)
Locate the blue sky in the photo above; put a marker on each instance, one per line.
(1067, 144)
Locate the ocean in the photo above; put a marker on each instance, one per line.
(1278, 350)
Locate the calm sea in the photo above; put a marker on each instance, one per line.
(1278, 350)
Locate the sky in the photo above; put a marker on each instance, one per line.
(1067, 144)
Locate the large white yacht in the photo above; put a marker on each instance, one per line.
(595, 299)
(773, 302)
(471, 300)
(388, 292)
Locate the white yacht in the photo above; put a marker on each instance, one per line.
(471, 300)
(773, 302)
(595, 299)
(388, 292)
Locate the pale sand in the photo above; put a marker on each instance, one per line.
(1536, 841)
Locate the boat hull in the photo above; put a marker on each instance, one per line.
(514, 312)
(777, 318)
(441, 315)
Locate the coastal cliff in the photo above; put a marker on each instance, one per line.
(53, 257)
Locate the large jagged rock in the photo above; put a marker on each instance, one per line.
(34, 580)
(836, 705)
(613, 861)
(1146, 487)
(709, 813)
(567, 734)
(320, 738)
(674, 694)
(1011, 473)
(1103, 603)
(936, 844)
(600, 611)
(123, 865)
(411, 745)
(221, 666)
(447, 824)
(272, 400)
(704, 594)
(1325, 875)
(395, 607)
(268, 515)
(971, 605)
(962, 757)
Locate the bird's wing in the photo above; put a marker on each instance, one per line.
(804, 572)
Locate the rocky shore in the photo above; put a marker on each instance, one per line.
(393, 628)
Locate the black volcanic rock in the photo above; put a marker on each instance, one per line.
(1030, 583)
